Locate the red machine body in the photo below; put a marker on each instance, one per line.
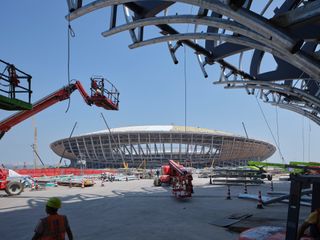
(10, 187)
(60, 95)
(4, 173)
(179, 178)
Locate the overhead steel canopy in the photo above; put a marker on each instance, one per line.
(252, 30)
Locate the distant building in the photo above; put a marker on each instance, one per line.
(155, 145)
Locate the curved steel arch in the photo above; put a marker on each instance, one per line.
(188, 19)
(290, 36)
(242, 16)
(206, 36)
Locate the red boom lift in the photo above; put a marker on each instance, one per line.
(101, 97)
(178, 177)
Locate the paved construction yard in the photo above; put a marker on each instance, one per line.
(138, 210)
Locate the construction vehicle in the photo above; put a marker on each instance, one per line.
(101, 97)
(178, 177)
(292, 167)
(10, 187)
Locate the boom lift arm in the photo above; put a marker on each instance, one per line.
(55, 97)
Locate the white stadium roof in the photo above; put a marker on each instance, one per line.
(163, 128)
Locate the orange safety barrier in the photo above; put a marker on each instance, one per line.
(60, 171)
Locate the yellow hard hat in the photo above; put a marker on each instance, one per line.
(54, 202)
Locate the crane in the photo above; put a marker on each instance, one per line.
(101, 97)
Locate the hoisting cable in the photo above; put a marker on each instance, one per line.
(70, 33)
(274, 139)
(185, 78)
(185, 88)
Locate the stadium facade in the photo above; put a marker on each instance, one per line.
(153, 146)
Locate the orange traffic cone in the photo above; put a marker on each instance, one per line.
(228, 194)
(259, 205)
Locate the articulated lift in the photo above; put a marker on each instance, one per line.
(178, 177)
(100, 96)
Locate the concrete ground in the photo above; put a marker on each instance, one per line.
(138, 210)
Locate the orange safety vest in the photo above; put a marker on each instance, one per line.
(54, 227)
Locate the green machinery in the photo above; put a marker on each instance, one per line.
(292, 167)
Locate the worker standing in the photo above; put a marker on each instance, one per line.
(312, 221)
(54, 226)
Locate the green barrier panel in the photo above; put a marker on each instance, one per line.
(14, 104)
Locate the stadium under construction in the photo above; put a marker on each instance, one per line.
(151, 146)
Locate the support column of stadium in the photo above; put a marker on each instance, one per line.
(191, 155)
(171, 149)
(79, 151)
(110, 134)
(129, 141)
(70, 146)
(125, 148)
(149, 149)
(85, 147)
(104, 156)
(162, 155)
(111, 150)
(180, 156)
(156, 152)
(94, 150)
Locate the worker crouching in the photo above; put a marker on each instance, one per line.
(54, 226)
(312, 222)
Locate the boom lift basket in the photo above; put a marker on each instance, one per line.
(15, 88)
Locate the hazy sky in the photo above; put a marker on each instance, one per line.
(34, 38)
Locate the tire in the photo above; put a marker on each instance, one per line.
(157, 182)
(14, 188)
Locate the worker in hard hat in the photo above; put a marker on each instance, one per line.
(312, 221)
(54, 226)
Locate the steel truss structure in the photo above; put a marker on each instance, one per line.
(224, 28)
(155, 145)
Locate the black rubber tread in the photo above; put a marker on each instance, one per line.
(14, 188)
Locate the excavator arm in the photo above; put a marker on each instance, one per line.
(55, 97)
